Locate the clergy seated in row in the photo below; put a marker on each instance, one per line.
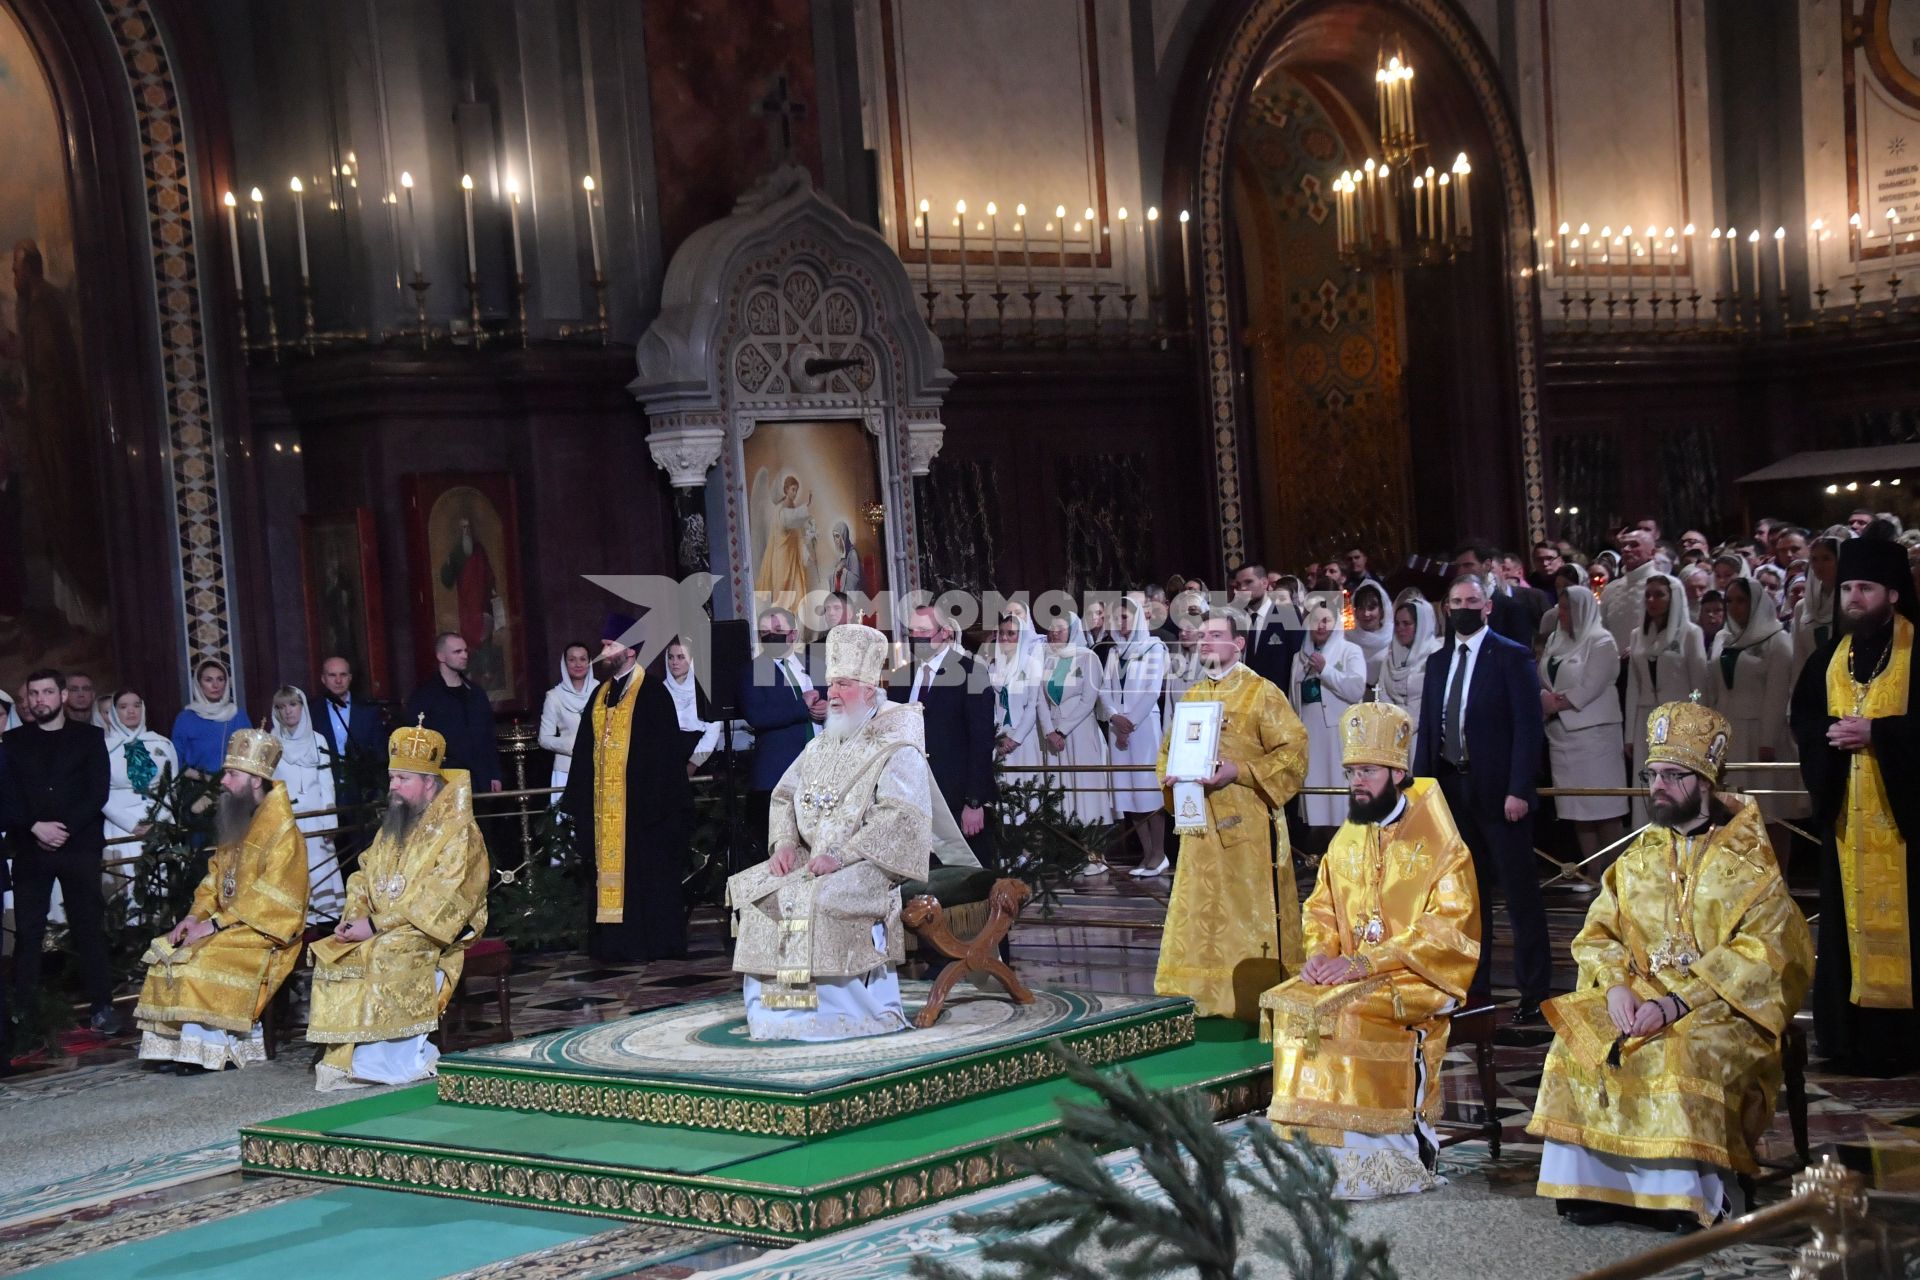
(414, 906)
(853, 817)
(1392, 937)
(1666, 1058)
(211, 977)
(1228, 937)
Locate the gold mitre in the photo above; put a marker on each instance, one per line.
(1690, 735)
(254, 751)
(856, 652)
(1377, 733)
(416, 749)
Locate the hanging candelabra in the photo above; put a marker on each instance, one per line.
(1396, 212)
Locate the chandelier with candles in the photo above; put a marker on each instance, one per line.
(1396, 211)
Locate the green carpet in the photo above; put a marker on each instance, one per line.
(393, 1235)
(762, 1187)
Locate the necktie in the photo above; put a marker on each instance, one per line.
(1453, 743)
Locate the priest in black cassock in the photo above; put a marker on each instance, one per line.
(1859, 738)
(632, 805)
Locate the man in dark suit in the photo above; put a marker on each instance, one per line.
(1512, 582)
(349, 725)
(1481, 736)
(1271, 644)
(459, 711)
(784, 710)
(57, 780)
(959, 720)
(1510, 617)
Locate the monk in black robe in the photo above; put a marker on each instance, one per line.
(1859, 736)
(635, 836)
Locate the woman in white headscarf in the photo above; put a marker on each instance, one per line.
(139, 762)
(1013, 673)
(1752, 682)
(1372, 630)
(1188, 614)
(307, 770)
(1070, 737)
(1666, 662)
(1813, 616)
(1329, 675)
(703, 736)
(201, 730)
(1130, 696)
(1578, 675)
(1403, 676)
(560, 713)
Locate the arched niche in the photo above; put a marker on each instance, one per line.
(787, 312)
(1468, 334)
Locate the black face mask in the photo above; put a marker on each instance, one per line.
(1466, 621)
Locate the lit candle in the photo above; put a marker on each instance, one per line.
(1060, 225)
(260, 235)
(926, 243)
(993, 233)
(513, 214)
(1688, 232)
(1819, 257)
(1733, 260)
(1093, 252)
(1445, 210)
(413, 222)
(1026, 246)
(1560, 247)
(233, 237)
(466, 193)
(1149, 249)
(1586, 229)
(1853, 243)
(300, 225)
(960, 221)
(1606, 257)
(1186, 261)
(1423, 191)
(1780, 259)
(1463, 207)
(593, 227)
(1626, 261)
(1753, 243)
(1121, 213)
(1673, 270)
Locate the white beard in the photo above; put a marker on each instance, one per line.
(844, 724)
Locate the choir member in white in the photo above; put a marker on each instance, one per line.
(1752, 682)
(1013, 671)
(704, 737)
(1329, 675)
(1069, 728)
(1130, 697)
(1372, 631)
(560, 714)
(1403, 675)
(1667, 662)
(307, 770)
(1578, 675)
(1813, 616)
(141, 762)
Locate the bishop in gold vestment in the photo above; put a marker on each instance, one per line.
(1232, 929)
(1392, 937)
(417, 902)
(209, 979)
(1666, 1059)
(851, 819)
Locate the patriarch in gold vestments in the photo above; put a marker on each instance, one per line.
(210, 978)
(1392, 936)
(1232, 928)
(1666, 1059)
(417, 902)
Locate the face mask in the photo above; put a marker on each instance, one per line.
(1466, 621)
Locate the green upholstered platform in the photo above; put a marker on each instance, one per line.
(693, 1065)
(764, 1185)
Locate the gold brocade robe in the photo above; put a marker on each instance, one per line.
(865, 801)
(1704, 1088)
(428, 903)
(258, 889)
(1228, 937)
(1344, 1057)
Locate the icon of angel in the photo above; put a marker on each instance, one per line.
(784, 535)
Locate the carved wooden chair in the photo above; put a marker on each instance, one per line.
(930, 920)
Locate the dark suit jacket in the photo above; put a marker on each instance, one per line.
(57, 777)
(777, 714)
(1271, 648)
(959, 720)
(1504, 731)
(363, 726)
(1513, 619)
(464, 717)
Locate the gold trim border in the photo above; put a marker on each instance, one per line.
(753, 1211)
(760, 1114)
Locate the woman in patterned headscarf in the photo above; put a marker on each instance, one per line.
(140, 761)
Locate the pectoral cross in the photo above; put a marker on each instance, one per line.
(782, 112)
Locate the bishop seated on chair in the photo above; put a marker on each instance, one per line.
(853, 817)
(1392, 937)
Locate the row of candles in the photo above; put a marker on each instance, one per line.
(1096, 235)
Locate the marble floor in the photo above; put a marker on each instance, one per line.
(1104, 936)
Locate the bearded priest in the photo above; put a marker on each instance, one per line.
(1392, 937)
(1666, 1056)
(417, 902)
(1232, 930)
(210, 978)
(851, 819)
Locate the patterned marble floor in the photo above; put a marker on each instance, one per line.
(1104, 937)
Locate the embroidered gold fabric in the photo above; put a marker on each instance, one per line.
(1703, 1088)
(1873, 854)
(428, 902)
(1344, 1057)
(866, 801)
(258, 888)
(1228, 937)
(612, 738)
